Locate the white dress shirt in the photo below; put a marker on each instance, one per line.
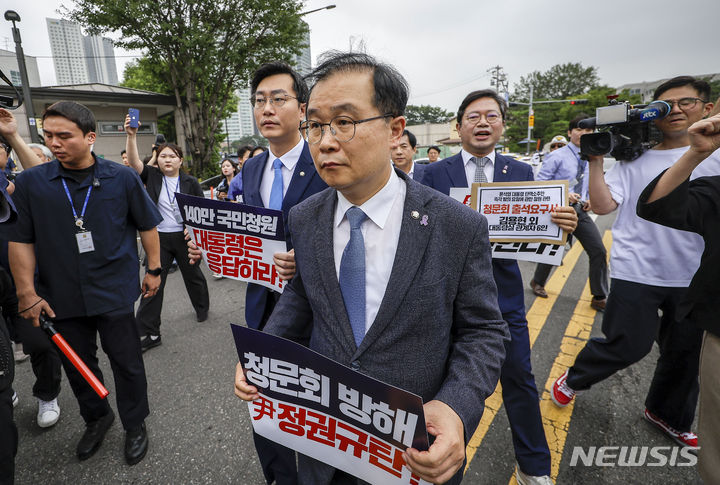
(289, 161)
(470, 167)
(381, 232)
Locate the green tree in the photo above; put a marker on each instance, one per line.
(208, 48)
(418, 115)
(559, 82)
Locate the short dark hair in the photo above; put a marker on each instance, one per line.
(391, 88)
(258, 147)
(702, 87)
(411, 138)
(575, 122)
(7, 147)
(481, 93)
(279, 67)
(243, 150)
(123, 152)
(433, 147)
(75, 112)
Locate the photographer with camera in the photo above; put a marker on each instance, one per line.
(565, 164)
(651, 269)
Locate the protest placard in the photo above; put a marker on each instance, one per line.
(538, 252)
(237, 241)
(330, 412)
(521, 211)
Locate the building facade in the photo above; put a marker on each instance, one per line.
(9, 65)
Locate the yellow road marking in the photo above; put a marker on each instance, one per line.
(556, 420)
(536, 317)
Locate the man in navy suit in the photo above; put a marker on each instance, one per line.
(393, 279)
(480, 123)
(402, 156)
(278, 178)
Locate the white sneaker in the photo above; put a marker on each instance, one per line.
(524, 479)
(48, 413)
(15, 399)
(217, 276)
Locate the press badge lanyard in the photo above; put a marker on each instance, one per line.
(167, 192)
(83, 236)
(173, 207)
(78, 220)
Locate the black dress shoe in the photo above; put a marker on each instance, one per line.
(94, 435)
(136, 445)
(202, 316)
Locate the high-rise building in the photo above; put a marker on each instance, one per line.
(303, 61)
(241, 123)
(100, 60)
(80, 59)
(66, 44)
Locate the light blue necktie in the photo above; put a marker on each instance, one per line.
(352, 274)
(276, 193)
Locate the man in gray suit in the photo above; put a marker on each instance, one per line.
(393, 279)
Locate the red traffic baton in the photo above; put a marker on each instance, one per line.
(74, 358)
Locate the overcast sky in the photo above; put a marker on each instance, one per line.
(444, 48)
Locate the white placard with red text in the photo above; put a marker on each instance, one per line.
(237, 241)
(539, 252)
(329, 412)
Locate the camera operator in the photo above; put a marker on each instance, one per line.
(565, 164)
(651, 268)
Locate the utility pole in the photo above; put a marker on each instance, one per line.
(499, 80)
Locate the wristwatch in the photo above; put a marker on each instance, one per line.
(154, 272)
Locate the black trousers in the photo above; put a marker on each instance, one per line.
(589, 236)
(120, 341)
(44, 357)
(631, 325)
(8, 430)
(173, 246)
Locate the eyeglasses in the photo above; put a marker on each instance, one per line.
(557, 146)
(277, 101)
(341, 127)
(492, 117)
(5, 147)
(684, 103)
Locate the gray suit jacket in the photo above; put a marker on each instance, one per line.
(438, 332)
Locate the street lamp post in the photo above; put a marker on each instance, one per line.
(326, 7)
(13, 17)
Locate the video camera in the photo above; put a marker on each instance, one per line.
(627, 133)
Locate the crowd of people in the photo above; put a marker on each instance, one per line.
(382, 284)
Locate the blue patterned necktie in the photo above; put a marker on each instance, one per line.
(276, 193)
(352, 274)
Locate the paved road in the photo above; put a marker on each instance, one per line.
(200, 433)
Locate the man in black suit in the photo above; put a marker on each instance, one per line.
(402, 154)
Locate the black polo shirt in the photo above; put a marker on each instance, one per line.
(89, 283)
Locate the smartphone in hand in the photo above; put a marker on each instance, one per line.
(134, 114)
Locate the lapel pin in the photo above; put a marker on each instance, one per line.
(415, 214)
(505, 169)
(424, 220)
(302, 174)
